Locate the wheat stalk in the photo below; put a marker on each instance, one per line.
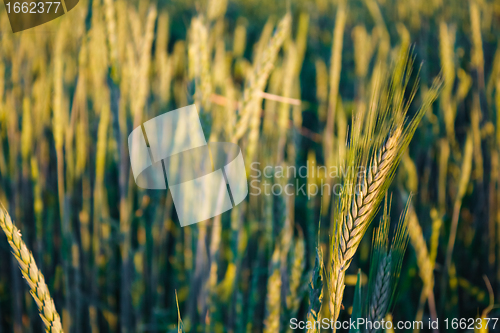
(444, 155)
(273, 301)
(386, 265)
(257, 80)
(139, 96)
(462, 189)
(476, 117)
(425, 265)
(365, 202)
(437, 222)
(39, 290)
(163, 63)
(336, 61)
(199, 62)
(110, 14)
(477, 41)
(287, 86)
(355, 221)
(446, 53)
(180, 324)
(363, 193)
(364, 46)
(380, 298)
(316, 290)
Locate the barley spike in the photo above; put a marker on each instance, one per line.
(38, 288)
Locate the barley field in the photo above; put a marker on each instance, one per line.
(370, 132)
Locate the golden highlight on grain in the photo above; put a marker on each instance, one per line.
(362, 193)
(38, 288)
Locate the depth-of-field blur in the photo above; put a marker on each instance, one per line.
(371, 138)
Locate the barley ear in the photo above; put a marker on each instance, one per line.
(257, 79)
(357, 304)
(378, 140)
(386, 265)
(316, 290)
(34, 278)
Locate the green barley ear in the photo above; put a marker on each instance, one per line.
(385, 265)
(316, 285)
(357, 304)
(38, 288)
(316, 290)
(377, 142)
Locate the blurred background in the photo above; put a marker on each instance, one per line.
(282, 80)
